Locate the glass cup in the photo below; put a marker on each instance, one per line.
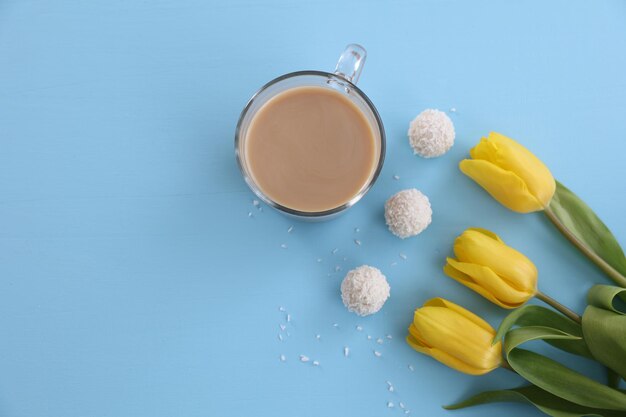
(343, 79)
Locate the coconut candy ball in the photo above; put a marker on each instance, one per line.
(364, 290)
(408, 213)
(431, 133)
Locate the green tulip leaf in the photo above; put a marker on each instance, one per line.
(607, 297)
(584, 228)
(532, 315)
(563, 382)
(605, 333)
(516, 337)
(547, 403)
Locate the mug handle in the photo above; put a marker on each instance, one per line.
(351, 63)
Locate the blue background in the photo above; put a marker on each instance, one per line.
(133, 281)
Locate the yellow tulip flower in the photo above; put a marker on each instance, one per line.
(496, 271)
(510, 173)
(455, 337)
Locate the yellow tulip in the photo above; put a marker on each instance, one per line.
(496, 271)
(510, 173)
(455, 337)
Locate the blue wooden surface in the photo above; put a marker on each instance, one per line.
(133, 282)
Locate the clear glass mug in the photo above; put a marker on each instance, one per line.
(343, 79)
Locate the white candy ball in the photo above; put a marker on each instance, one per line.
(364, 290)
(431, 133)
(408, 213)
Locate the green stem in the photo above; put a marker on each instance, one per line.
(558, 306)
(506, 365)
(601, 263)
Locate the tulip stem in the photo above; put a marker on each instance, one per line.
(506, 365)
(558, 306)
(601, 263)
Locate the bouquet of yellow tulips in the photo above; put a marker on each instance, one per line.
(484, 263)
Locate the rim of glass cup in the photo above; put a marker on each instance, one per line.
(311, 214)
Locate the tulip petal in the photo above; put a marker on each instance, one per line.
(512, 156)
(505, 186)
(486, 232)
(447, 330)
(461, 366)
(512, 266)
(446, 359)
(486, 283)
(442, 302)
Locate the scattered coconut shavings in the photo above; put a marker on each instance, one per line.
(389, 337)
(391, 388)
(337, 268)
(334, 251)
(390, 404)
(396, 177)
(401, 405)
(369, 337)
(346, 351)
(394, 263)
(377, 354)
(284, 246)
(281, 309)
(345, 258)
(452, 109)
(249, 214)
(260, 208)
(304, 358)
(290, 229)
(357, 242)
(318, 337)
(359, 328)
(256, 203)
(402, 255)
(282, 327)
(335, 325)
(357, 230)
(280, 337)
(411, 368)
(319, 260)
(283, 358)
(316, 363)
(407, 411)
(288, 318)
(379, 341)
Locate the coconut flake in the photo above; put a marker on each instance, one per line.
(304, 358)
(290, 229)
(346, 351)
(377, 354)
(283, 358)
